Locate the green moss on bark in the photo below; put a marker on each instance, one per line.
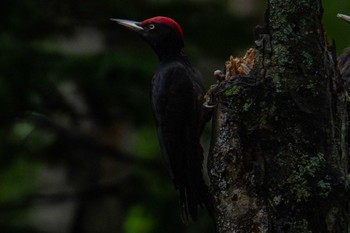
(280, 134)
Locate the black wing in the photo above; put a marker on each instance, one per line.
(177, 104)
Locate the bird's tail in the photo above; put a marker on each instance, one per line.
(195, 193)
(191, 199)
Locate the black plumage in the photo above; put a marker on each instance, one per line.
(177, 101)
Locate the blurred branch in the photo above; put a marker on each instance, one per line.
(58, 198)
(73, 138)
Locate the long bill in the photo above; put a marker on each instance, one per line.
(346, 18)
(133, 25)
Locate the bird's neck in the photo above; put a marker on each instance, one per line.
(168, 49)
(169, 56)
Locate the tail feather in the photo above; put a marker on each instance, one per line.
(191, 199)
(194, 193)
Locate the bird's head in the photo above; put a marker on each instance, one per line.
(163, 34)
(344, 17)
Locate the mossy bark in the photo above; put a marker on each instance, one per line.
(279, 154)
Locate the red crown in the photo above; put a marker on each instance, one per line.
(167, 21)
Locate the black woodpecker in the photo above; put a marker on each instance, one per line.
(177, 101)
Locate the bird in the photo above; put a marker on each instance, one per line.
(177, 96)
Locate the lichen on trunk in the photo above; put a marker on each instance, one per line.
(279, 153)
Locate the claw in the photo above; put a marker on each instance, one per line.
(208, 103)
(208, 106)
(219, 75)
(208, 99)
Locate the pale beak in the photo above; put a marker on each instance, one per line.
(133, 25)
(344, 17)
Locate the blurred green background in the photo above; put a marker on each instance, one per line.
(78, 149)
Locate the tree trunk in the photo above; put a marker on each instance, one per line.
(279, 153)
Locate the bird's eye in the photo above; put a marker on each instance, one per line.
(151, 27)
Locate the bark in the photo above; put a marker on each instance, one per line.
(279, 153)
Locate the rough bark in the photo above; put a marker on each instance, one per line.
(279, 153)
